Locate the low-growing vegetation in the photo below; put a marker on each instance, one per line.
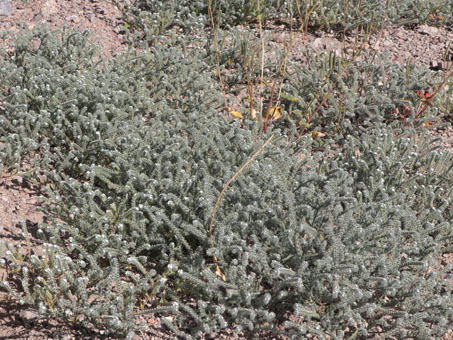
(160, 198)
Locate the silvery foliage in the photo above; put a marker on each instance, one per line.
(134, 157)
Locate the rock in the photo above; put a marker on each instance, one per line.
(72, 18)
(168, 318)
(328, 44)
(425, 29)
(5, 7)
(440, 66)
(49, 8)
(388, 43)
(279, 38)
(29, 316)
(402, 34)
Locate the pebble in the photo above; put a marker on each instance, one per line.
(279, 38)
(29, 316)
(49, 8)
(425, 29)
(5, 7)
(329, 44)
(73, 18)
(402, 34)
(388, 43)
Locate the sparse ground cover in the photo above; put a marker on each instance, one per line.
(225, 177)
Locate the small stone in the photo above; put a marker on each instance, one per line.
(49, 8)
(279, 38)
(73, 18)
(401, 34)
(435, 66)
(168, 318)
(29, 316)
(99, 10)
(328, 44)
(388, 43)
(5, 7)
(425, 29)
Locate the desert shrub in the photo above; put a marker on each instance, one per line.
(360, 94)
(57, 95)
(372, 14)
(60, 95)
(339, 96)
(134, 158)
(156, 17)
(152, 18)
(342, 96)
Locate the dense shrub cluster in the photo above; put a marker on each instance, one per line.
(337, 15)
(134, 157)
(357, 94)
(154, 16)
(363, 89)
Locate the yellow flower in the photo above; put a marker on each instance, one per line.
(236, 114)
(317, 134)
(275, 112)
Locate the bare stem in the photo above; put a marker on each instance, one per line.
(246, 164)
